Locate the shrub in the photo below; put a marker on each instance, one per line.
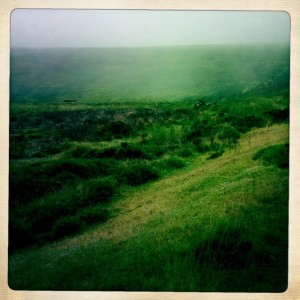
(102, 153)
(52, 146)
(137, 173)
(20, 234)
(79, 151)
(152, 150)
(100, 191)
(203, 145)
(244, 124)
(227, 134)
(26, 182)
(29, 182)
(226, 249)
(172, 135)
(132, 151)
(44, 212)
(174, 163)
(216, 154)
(17, 146)
(115, 130)
(84, 168)
(34, 223)
(66, 226)
(201, 129)
(185, 152)
(93, 215)
(277, 155)
(279, 115)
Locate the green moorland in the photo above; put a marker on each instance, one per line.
(162, 169)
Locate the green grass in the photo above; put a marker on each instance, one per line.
(131, 186)
(277, 155)
(217, 225)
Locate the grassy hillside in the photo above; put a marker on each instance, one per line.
(216, 225)
(148, 74)
(149, 169)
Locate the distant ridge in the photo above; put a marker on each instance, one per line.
(167, 73)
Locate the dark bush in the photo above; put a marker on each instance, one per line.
(185, 152)
(79, 151)
(132, 151)
(66, 226)
(152, 150)
(227, 134)
(84, 168)
(216, 154)
(52, 146)
(202, 145)
(100, 191)
(17, 146)
(277, 155)
(201, 129)
(44, 212)
(38, 218)
(115, 130)
(92, 215)
(102, 153)
(34, 180)
(243, 124)
(174, 163)
(107, 167)
(25, 183)
(137, 173)
(227, 249)
(279, 115)
(19, 233)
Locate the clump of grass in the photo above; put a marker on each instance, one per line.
(49, 176)
(152, 150)
(277, 155)
(66, 226)
(137, 173)
(243, 123)
(227, 134)
(185, 152)
(132, 151)
(203, 144)
(173, 162)
(79, 151)
(20, 233)
(226, 249)
(92, 215)
(82, 168)
(167, 136)
(110, 152)
(115, 130)
(100, 191)
(62, 213)
(216, 154)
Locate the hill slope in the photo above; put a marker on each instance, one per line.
(217, 225)
(151, 74)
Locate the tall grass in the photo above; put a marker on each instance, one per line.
(225, 228)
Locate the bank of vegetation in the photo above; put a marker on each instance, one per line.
(184, 194)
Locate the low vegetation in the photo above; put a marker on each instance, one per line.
(189, 194)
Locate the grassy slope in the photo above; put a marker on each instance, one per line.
(151, 74)
(152, 242)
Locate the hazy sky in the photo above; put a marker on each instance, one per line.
(127, 28)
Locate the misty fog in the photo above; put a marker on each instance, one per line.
(142, 28)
